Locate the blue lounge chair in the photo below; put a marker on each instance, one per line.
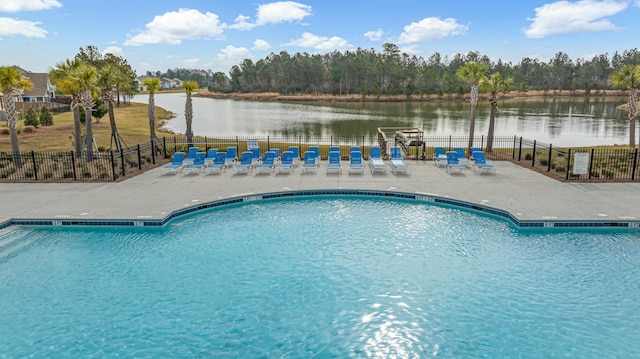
(276, 151)
(316, 151)
(375, 160)
(355, 162)
(310, 163)
(397, 162)
(245, 162)
(191, 155)
(211, 156)
(177, 162)
(268, 162)
(453, 164)
(333, 162)
(219, 164)
(232, 156)
(335, 149)
(255, 155)
(480, 163)
(461, 157)
(197, 165)
(287, 162)
(296, 154)
(439, 156)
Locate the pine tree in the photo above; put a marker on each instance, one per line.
(31, 118)
(46, 118)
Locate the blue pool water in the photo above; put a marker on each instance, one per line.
(331, 278)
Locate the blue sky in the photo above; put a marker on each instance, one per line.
(217, 34)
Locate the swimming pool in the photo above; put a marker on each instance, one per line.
(331, 277)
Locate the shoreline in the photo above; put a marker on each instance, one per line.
(274, 96)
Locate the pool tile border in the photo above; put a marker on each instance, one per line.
(445, 202)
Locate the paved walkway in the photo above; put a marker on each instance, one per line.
(525, 194)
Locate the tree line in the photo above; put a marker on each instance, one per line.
(392, 72)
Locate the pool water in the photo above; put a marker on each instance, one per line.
(325, 278)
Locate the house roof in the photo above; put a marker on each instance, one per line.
(40, 84)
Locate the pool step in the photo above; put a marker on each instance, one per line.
(15, 240)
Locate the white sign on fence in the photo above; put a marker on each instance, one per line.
(581, 163)
(252, 144)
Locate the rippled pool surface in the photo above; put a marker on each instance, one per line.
(331, 278)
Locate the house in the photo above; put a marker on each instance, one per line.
(42, 90)
(167, 83)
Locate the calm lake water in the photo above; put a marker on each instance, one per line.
(562, 122)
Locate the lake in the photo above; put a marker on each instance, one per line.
(562, 122)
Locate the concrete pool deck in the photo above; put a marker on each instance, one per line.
(525, 194)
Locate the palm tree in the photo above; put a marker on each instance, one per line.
(494, 85)
(12, 84)
(473, 73)
(107, 80)
(629, 77)
(152, 85)
(189, 87)
(84, 79)
(60, 77)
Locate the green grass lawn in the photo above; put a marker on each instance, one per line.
(132, 122)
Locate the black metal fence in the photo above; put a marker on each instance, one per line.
(570, 164)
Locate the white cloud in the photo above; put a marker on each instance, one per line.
(374, 35)
(563, 17)
(431, 29)
(240, 23)
(28, 5)
(172, 27)
(113, 50)
(12, 27)
(322, 43)
(282, 11)
(230, 56)
(261, 45)
(191, 63)
(273, 13)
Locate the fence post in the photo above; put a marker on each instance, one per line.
(549, 160)
(482, 141)
(635, 163)
(175, 144)
(520, 150)
(513, 151)
(73, 165)
(140, 158)
(113, 166)
(591, 161)
(566, 175)
(533, 156)
(449, 143)
(331, 141)
(35, 168)
(206, 145)
(124, 170)
(164, 147)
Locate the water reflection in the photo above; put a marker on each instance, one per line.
(564, 122)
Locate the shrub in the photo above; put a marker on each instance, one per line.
(46, 118)
(29, 129)
(4, 131)
(28, 173)
(528, 157)
(47, 174)
(31, 118)
(543, 161)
